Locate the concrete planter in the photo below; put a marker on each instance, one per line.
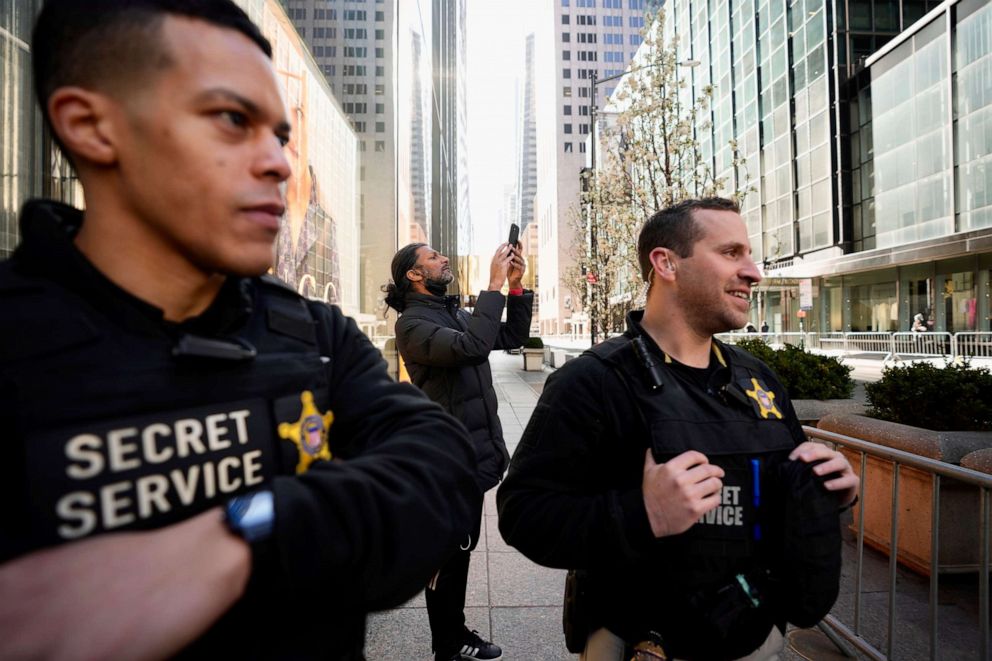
(958, 541)
(809, 411)
(533, 360)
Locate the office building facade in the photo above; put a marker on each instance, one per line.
(398, 70)
(574, 39)
(865, 130)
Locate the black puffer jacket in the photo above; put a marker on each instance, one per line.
(446, 351)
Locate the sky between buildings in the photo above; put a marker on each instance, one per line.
(496, 33)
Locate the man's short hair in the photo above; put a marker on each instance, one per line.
(675, 228)
(97, 44)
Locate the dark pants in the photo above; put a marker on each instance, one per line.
(445, 596)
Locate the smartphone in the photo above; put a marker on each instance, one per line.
(514, 235)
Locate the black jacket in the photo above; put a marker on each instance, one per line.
(446, 351)
(572, 497)
(81, 360)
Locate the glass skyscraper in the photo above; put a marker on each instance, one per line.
(866, 127)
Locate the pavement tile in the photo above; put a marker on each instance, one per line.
(494, 540)
(405, 633)
(530, 634)
(516, 581)
(477, 591)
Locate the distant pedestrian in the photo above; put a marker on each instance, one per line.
(750, 328)
(919, 326)
(764, 326)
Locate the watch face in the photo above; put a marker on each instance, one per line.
(252, 516)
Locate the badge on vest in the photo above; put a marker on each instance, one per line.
(764, 400)
(309, 433)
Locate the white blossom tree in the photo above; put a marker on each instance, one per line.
(650, 157)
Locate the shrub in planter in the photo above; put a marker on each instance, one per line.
(951, 398)
(805, 375)
(533, 343)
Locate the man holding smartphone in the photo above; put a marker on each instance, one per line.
(446, 351)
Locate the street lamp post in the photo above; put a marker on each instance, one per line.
(592, 279)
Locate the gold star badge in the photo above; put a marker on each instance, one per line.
(309, 433)
(765, 400)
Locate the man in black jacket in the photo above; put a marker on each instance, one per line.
(446, 351)
(654, 464)
(198, 462)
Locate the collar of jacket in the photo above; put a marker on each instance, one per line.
(634, 328)
(431, 301)
(48, 249)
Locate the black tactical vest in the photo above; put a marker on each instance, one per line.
(701, 603)
(113, 428)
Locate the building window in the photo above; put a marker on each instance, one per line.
(380, 70)
(380, 16)
(566, 55)
(567, 110)
(361, 145)
(380, 52)
(584, 92)
(565, 37)
(564, 3)
(568, 128)
(380, 145)
(564, 19)
(582, 147)
(380, 35)
(356, 33)
(354, 14)
(356, 51)
(584, 110)
(380, 89)
(636, 40)
(380, 127)
(568, 147)
(637, 21)
(584, 129)
(380, 108)
(359, 126)
(566, 73)
(566, 91)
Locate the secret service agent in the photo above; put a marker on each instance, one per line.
(572, 498)
(118, 420)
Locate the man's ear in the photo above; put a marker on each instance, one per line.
(83, 121)
(413, 275)
(663, 263)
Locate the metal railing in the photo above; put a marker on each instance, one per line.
(973, 345)
(936, 470)
(888, 346)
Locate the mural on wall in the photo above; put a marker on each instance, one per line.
(307, 241)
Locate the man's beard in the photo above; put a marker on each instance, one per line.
(439, 286)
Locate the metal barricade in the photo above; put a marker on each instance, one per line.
(973, 345)
(871, 343)
(937, 470)
(922, 345)
(831, 342)
(779, 340)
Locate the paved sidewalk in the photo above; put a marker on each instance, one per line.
(517, 604)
